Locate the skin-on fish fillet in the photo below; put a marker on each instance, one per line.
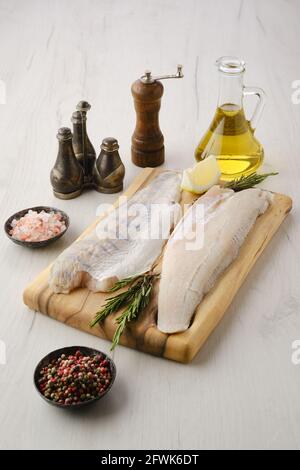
(98, 263)
(188, 274)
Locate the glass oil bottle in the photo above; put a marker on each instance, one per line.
(230, 136)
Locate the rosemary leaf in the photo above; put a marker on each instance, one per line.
(140, 301)
(124, 282)
(113, 304)
(246, 182)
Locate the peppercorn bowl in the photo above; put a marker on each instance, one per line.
(8, 226)
(74, 376)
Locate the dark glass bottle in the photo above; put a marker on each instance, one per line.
(109, 170)
(83, 148)
(67, 174)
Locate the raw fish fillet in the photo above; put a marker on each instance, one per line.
(188, 274)
(98, 263)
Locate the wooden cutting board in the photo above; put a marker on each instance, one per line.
(78, 308)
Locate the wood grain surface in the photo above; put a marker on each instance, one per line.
(78, 308)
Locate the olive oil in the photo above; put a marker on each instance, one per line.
(231, 139)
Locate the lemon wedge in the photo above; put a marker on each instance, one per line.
(202, 176)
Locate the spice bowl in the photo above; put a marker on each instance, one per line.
(36, 244)
(63, 354)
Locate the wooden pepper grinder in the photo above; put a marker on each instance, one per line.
(148, 141)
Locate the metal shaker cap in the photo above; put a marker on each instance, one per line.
(83, 106)
(109, 144)
(64, 133)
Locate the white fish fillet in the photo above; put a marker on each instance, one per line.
(99, 263)
(187, 275)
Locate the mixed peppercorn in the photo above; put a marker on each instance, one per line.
(74, 379)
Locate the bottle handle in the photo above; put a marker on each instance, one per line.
(255, 91)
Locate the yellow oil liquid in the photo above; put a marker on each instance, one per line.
(231, 139)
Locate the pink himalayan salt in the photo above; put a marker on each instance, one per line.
(37, 226)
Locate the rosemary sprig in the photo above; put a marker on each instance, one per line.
(134, 300)
(246, 182)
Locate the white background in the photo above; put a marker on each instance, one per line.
(242, 390)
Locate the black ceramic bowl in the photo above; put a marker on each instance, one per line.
(67, 351)
(18, 215)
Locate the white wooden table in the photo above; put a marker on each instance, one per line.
(242, 390)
